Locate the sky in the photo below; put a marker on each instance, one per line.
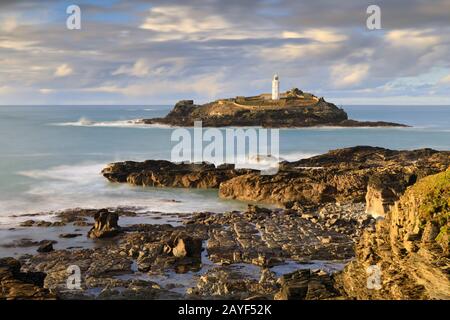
(162, 51)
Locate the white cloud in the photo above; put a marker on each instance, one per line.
(5, 89)
(18, 45)
(290, 52)
(8, 24)
(412, 38)
(321, 35)
(140, 68)
(182, 20)
(63, 70)
(46, 91)
(204, 85)
(445, 80)
(345, 75)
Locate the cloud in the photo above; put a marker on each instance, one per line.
(8, 24)
(412, 38)
(63, 70)
(445, 80)
(18, 45)
(140, 68)
(180, 20)
(6, 89)
(46, 91)
(321, 35)
(208, 85)
(344, 75)
(139, 52)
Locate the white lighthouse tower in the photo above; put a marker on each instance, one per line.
(276, 88)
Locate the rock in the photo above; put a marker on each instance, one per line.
(186, 246)
(27, 223)
(46, 246)
(294, 109)
(161, 173)
(375, 175)
(69, 235)
(306, 285)
(17, 285)
(410, 247)
(105, 225)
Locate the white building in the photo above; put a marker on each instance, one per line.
(276, 88)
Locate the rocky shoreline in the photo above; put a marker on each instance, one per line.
(318, 244)
(375, 175)
(296, 109)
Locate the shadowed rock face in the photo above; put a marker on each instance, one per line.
(15, 284)
(304, 110)
(343, 175)
(410, 247)
(161, 173)
(105, 225)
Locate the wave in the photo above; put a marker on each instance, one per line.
(82, 186)
(133, 123)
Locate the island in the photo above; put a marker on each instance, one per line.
(291, 109)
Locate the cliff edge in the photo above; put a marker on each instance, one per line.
(410, 247)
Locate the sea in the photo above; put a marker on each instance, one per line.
(51, 157)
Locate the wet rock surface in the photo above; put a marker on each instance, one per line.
(373, 175)
(234, 255)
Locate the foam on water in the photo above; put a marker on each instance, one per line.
(132, 123)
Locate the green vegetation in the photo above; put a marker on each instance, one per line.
(434, 191)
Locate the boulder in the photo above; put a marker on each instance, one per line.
(106, 225)
(186, 246)
(46, 246)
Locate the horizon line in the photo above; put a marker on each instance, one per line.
(162, 104)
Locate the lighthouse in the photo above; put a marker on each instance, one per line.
(276, 88)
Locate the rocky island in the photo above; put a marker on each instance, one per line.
(294, 108)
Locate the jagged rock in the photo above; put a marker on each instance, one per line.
(46, 246)
(306, 285)
(343, 175)
(186, 246)
(409, 248)
(161, 173)
(105, 225)
(15, 284)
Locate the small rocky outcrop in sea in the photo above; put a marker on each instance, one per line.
(106, 225)
(410, 247)
(17, 285)
(46, 246)
(294, 109)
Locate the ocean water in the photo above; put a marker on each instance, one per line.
(51, 156)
